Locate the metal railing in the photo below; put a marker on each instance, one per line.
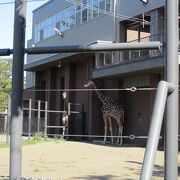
(130, 55)
(140, 54)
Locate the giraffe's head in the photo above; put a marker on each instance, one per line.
(90, 83)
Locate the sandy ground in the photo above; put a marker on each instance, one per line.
(76, 160)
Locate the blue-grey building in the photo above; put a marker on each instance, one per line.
(83, 22)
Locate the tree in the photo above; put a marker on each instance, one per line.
(5, 82)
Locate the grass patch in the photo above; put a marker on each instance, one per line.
(37, 139)
(4, 145)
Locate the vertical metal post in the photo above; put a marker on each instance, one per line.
(69, 109)
(172, 72)
(5, 120)
(30, 119)
(39, 115)
(8, 119)
(17, 89)
(45, 126)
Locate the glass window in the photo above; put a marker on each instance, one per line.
(41, 35)
(108, 58)
(112, 5)
(101, 7)
(104, 58)
(78, 18)
(74, 15)
(108, 5)
(84, 2)
(90, 9)
(54, 18)
(95, 8)
(78, 5)
(101, 59)
(84, 15)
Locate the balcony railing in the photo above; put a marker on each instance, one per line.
(128, 56)
(141, 54)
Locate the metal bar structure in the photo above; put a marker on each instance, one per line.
(5, 52)
(58, 127)
(156, 45)
(69, 109)
(39, 116)
(29, 119)
(155, 128)
(172, 73)
(45, 117)
(8, 119)
(95, 47)
(17, 90)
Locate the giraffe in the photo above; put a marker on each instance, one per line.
(65, 116)
(110, 111)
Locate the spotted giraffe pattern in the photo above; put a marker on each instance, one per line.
(110, 111)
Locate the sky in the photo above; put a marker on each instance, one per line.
(7, 22)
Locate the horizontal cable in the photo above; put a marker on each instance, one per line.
(132, 89)
(106, 12)
(102, 136)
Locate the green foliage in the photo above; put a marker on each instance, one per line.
(40, 136)
(4, 146)
(5, 81)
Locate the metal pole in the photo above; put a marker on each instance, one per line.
(69, 109)
(5, 52)
(30, 119)
(5, 120)
(17, 89)
(172, 72)
(8, 119)
(155, 129)
(45, 127)
(96, 47)
(39, 115)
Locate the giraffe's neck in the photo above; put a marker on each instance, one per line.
(100, 95)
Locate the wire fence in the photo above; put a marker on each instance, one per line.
(40, 118)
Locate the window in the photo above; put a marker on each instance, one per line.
(104, 58)
(101, 7)
(95, 8)
(74, 15)
(84, 15)
(108, 5)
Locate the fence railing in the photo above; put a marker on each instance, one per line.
(130, 55)
(139, 54)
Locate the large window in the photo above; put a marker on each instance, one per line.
(103, 59)
(78, 13)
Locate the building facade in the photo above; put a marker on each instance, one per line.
(85, 22)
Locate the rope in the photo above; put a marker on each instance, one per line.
(131, 137)
(131, 89)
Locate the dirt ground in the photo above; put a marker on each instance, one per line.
(77, 160)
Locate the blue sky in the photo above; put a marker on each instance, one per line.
(7, 22)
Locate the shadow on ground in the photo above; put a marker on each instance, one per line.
(4, 177)
(157, 172)
(108, 143)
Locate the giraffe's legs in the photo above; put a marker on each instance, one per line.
(120, 133)
(110, 128)
(105, 128)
